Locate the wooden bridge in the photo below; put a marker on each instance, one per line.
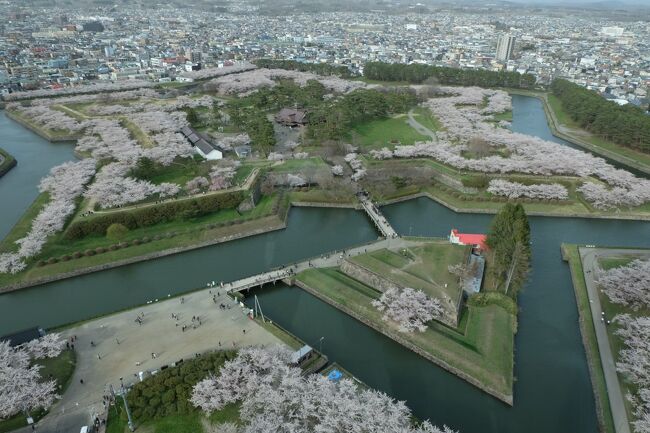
(376, 216)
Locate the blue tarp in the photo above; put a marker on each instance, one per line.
(334, 375)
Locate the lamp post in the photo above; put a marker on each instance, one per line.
(122, 394)
(320, 347)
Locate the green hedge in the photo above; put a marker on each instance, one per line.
(168, 392)
(152, 215)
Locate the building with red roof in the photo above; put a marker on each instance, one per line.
(475, 240)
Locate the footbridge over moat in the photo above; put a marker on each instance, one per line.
(328, 260)
(376, 216)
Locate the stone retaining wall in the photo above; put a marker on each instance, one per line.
(367, 277)
(393, 335)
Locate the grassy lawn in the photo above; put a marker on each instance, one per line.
(387, 132)
(507, 116)
(570, 253)
(60, 369)
(192, 423)
(607, 263)
(483, 351)
(425, 117)
(188, 232)
(315, 195)
(423, 267)
(295, 165)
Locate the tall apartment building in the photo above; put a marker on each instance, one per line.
(505, 47)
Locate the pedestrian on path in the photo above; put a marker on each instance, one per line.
(99, 356)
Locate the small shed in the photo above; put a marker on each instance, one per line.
(302, 354)
(243, 151)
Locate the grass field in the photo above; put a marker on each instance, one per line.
(387, 132)
(481, 348)
(570, 253)
(425, 117)
(61, 369)
(192, 423)
(423, 267)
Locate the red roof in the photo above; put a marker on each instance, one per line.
(471, 239)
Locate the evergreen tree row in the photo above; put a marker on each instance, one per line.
(509, 242)
(416, 73)
(626, 125)
(316, 68)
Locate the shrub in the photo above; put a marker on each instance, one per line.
(116, 231)
(41, 263)
(113, 247)
(76, 254)
(100, 250)
(136, 242)
(123, 245)
(52, 260)
(145, 240)
(66, 258)
(168, 392)
(89, 253)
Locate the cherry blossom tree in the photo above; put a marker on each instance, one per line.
(275, 396)
(64, 184)
(634, 363)
(48, 346)
(411, 309)
(543, 191)
(94, 87)
(194, 186)
(22, 389)
(337, 170)
(628, 285)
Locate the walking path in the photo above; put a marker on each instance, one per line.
(122, 348)
(589, 257)
(328, 260)
(420, 128)
(376, 216)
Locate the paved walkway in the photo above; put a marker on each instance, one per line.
(420, 128)
(589, 257)
(328, 260)
(105, 361)
(376, 216)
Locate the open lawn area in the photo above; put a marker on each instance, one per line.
(424, 267)
(481, 348)
(425, 117)
(387, 132)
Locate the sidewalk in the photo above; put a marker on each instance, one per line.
(589, 257)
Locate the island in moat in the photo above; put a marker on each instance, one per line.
(164, 169)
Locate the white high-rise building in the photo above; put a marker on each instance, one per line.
(505, 47)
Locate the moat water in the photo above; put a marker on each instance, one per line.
(552, 392)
